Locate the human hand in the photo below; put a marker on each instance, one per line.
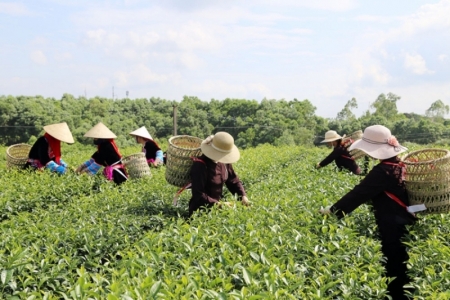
(225, 204)
(245, 201)
(326, 210)
(318, 166)
(81, 169)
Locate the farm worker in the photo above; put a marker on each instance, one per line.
(212, 170)
(46, 151)
(385, 186)
(153, 152)
(107, 155)
(340, 154)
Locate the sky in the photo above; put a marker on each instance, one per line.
(326, 51)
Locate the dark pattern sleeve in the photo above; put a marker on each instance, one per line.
(199, 182)
(106, 155)
(330, 158)
(372, 185)
(233, 183)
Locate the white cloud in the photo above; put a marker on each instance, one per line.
(373, 18)
(365, 65)
(15, 9)
(224, 89)
(194, 35)
(64, 56)
(332, 5)
(140, 74)
(38, 57)
(443, 57)
(416, 64)
(430, 17)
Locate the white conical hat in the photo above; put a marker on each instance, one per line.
(142, 132)
(100, 131)
(60, 132)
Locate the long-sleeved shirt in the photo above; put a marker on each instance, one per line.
(152, 151)
(386, 176)
(106, 156)
(40, 151)
(208, 179)
(342, 158)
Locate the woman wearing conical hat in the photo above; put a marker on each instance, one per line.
(46, 151)
(153, 152)
(340, 155)
(211, 171)
(107, 155)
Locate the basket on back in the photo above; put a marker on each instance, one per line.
(17, 155)
(136, 165)
(179, 162)
(357, 135)
(428, 179)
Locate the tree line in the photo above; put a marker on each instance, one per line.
(251, 122)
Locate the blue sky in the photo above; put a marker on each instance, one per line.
(326, 51)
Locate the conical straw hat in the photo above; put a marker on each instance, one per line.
(100, 131)
(60, 132)
(142, 132)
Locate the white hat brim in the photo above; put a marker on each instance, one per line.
(331, 139)
(100, 131)
(378, 151)
(60, 132)
(223, 157)
(142, 132)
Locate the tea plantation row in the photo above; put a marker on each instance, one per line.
(80, 237)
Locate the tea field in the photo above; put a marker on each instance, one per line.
(81, 237)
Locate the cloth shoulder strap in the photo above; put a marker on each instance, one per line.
(197, 159)
(390, 195)
(395, 198)
(400, 164)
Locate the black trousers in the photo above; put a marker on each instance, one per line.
(396, 256)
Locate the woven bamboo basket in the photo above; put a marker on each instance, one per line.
(355, 153)
(136, 165)
(179, 162)
(427, 179)
(17, 155)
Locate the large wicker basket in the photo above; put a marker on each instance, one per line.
(179, 162)
(428, 179)
(136, 165)
(357, 135)
(17, 155)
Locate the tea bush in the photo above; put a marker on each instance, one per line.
(81, 237)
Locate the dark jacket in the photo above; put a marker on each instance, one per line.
(383, 177)
(208, 179)
(342, 158)
(150, 150)
(39, 151)
(107, 156)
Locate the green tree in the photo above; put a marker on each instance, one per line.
(386, 106)
(437, 110)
